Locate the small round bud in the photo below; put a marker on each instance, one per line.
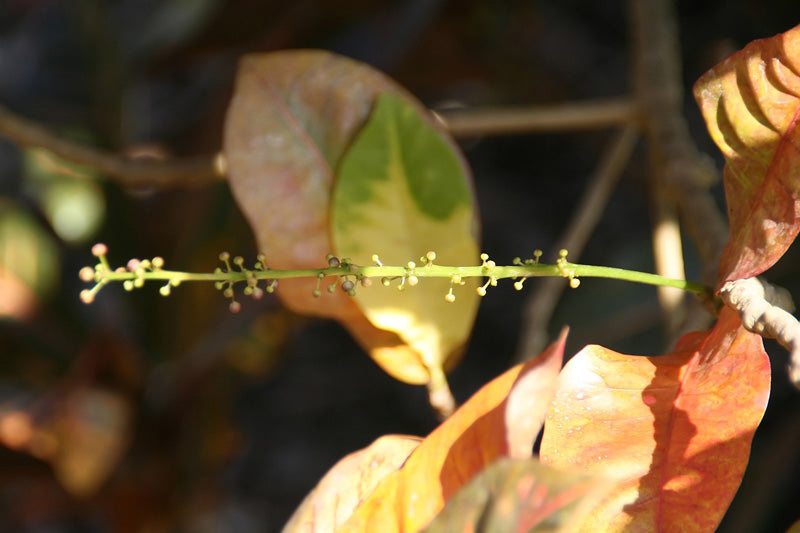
(224, 256)
(366, 282)
(348, 286)
(574, 283)
(238, 260)
(430, 256)
(138, 283)
(164, 290)
(412, 280)
(316, 293)
(412, 265)
(563, 253)
(333, 262)
(219, 285)
(158, 262)
(450, 297)
(120, 270)
(518, 285)
(228, 292)
(484, 256)
(99, 249)
(351, 292)
(128, 285)
(86, 296)
(235, 307)
(481, 291)
(248, 291)
(261, 258)
(385, 282)
(490, 264)
(133, 265)
(86, 274)
(258, 293)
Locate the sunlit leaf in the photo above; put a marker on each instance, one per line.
(348, 483)
(403, 191)
(751, 105)
(674, 429)
(479, 432)
(292, 116)
(520, 495)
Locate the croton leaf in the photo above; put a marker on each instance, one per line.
(403, 191)
(520, 495)
(292, 117)
(493, 423)
(674, 429)
(751, 105)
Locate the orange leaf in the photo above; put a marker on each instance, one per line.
(348, 483)
(483, 429)
(751, 105)
(675, 429)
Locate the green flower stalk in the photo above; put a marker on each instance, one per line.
(349, 275)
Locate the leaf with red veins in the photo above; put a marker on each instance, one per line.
(751, 104)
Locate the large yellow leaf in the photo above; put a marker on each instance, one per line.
(403, 191)
(292, 116)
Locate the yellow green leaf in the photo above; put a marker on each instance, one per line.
(402, 191)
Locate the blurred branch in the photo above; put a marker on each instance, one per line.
(514, 120)
(203, 170)
(680, 173)
(194, 171)
(541, 304)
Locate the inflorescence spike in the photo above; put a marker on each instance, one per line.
(347, 275)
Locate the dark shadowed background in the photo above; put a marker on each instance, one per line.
(148, 414)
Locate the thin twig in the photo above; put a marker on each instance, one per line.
(541, 304)
(593, 114)
(668, 260)
(194, 171)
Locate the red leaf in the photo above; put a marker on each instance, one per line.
(751, 104)
(480, 431)
(675, 429)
